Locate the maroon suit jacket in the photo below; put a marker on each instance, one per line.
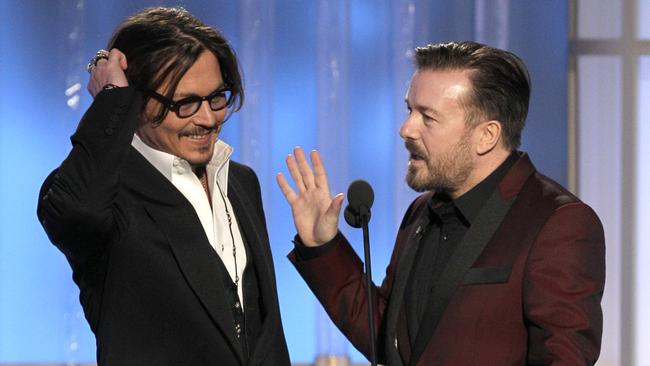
(523, 287)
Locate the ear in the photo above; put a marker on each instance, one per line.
(145, 116)
(488, 136)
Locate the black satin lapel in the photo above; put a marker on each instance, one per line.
(469, 249)
(143, 179)
(254, 232)
(198, 262)
(251, 226)
(402, 273)
(404, 340)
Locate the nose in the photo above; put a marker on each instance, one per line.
(208, 118)
(407, 130)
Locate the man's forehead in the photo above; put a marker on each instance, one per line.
(452, 84)
(443, 76)
(182, 93)
(202, 77)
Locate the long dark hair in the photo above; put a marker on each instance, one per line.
(161, 44)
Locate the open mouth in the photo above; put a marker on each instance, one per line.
(198, 136)
(414, 156)
(415, 153)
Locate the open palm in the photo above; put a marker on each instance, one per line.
(315, 212)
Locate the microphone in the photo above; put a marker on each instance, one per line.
(357, 214)
(360, 200)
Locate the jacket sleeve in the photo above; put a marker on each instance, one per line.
(565, 278)
(75, 205)
(337, 279)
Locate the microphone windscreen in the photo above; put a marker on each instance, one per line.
(352, 218)
(360, 194)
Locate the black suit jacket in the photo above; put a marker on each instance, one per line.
(148, 277)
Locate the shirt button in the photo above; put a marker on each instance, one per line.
(108, 131)
(445, 237)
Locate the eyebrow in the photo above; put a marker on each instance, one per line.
(422, 108)
(187, 94)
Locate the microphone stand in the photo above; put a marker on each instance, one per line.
(364, 216)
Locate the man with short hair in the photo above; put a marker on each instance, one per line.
(166, 236)
(494, 264)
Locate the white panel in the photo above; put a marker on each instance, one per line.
(599, 181)
(642, 220)
(599, 19)
(644, 19)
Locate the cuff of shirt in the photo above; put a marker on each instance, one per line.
(305, 253)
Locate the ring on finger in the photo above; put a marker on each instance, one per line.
(99, 55)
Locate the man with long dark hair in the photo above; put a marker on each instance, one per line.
(166, 236)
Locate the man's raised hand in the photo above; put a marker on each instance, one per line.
(315, 212)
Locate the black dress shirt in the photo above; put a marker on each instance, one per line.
(449, 220)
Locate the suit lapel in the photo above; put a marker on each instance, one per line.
(254, 232)
(198, 262)
(468, 250)
(178, 222)
(407, 255)
(397, 294)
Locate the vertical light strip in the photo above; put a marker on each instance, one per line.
(600, 19)
(643, 15)
(256, 29)
(628, 280)
(332, 70)
(332, 37)
(75, 37)
(572, 96)
(404, 41)
(642, 234)
(76, 342)
(599, 184)
(492, 22)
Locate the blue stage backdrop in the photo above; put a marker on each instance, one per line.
(326, 74)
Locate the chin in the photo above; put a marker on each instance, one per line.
(416, 182)
(197, 159)
(424, 181)
(201, 155)
(199, 162)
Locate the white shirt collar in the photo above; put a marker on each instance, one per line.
(216, 223)
(166, 163)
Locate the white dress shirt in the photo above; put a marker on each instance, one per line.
(214, 219)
